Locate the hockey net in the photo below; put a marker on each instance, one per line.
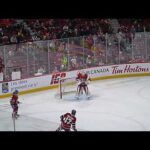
(67, 86)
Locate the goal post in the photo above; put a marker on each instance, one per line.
(66, 86)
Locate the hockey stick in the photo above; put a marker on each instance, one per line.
(14, 124)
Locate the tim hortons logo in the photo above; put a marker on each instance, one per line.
(56, 77)
(129, 69)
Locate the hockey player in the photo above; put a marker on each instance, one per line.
(83, 80)
(68, 121)
(14, 104)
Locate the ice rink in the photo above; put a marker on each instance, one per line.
(116, 105)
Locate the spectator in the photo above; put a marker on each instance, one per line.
(65, 28)
(76, 32)
(1, 65)
(55, 70)
(74, 62)
(64, 63)
(41, 70)
(133, 31)
(88, 61)
(13, 39)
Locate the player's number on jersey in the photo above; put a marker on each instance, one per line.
(67, 120)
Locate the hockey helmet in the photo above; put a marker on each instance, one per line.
(16, 92)
(73, 112)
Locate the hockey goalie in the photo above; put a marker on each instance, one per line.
(82, 84)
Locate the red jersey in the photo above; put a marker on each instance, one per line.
(67, 120)
(14, 100)
(82, 77)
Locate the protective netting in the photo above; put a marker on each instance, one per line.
(74, 53)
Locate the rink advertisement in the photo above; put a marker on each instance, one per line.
(119, 70)
(129, 69)
(25, 84)
(51, 81)
(30, 83)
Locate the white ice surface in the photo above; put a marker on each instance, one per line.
(115, 105)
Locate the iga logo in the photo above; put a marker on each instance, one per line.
(55, 77)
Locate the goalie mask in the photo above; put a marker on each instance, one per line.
(83, 72)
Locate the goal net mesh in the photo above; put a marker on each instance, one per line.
(67, 86)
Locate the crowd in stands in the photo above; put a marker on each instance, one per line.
(23, 30)
(134, 25)
(15, 31)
